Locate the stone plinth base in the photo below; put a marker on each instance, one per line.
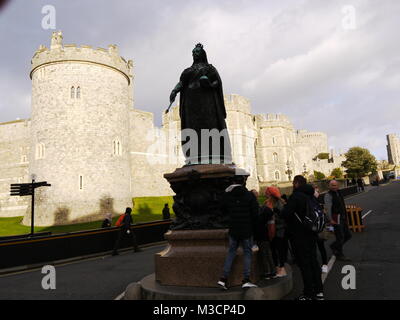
(149, 289)
(195, 258)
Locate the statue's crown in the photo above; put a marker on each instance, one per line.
(199, 45)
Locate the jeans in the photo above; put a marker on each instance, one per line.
(265, 260)
(279, 251)
(305, 251)
(247, 245)
(342, 234)
(322, 250)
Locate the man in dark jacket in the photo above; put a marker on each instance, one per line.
(304, 241)
(335, 209)
(241, 208)
(165, 212)
(126, 232)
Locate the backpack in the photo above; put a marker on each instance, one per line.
(314, 219)
(120, 220)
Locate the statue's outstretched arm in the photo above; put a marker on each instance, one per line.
(175, 91)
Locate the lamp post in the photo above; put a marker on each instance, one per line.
(288, 171)
(305, 169)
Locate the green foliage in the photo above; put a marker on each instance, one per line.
(337, 173)
(359, 162)
(146, 209)
(319, 175)
(323, 155)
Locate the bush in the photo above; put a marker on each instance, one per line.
(337, 173)
(319, 175)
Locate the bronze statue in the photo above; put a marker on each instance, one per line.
(202, 110)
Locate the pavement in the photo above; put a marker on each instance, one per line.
(100, 278)
(375, 255)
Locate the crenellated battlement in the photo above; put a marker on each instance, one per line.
(273, 120)
(58, 52)
(236, 102)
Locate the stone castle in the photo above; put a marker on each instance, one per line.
(97, 151)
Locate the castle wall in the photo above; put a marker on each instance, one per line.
(150, 156)
(243, 135)
(14, 149)
(393, 148)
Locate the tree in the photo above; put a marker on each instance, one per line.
(359, 162)
(318, 175)
(337, 173)
(323, 155)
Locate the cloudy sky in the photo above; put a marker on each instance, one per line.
(308, 59)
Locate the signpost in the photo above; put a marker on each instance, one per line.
(28, 189)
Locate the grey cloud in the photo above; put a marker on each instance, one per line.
(291, 57)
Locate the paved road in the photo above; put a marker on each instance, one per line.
(99, 278)
(375, 253)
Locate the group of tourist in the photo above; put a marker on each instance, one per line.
(279, 225)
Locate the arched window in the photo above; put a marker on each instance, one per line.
(277, 176)
(78, 92)
(275, 157)
(40, 151)
(117, 147)
(72, 92)
(80, 182)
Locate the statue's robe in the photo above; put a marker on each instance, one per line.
(203, 108)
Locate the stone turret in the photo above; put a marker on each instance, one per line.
(81, 101)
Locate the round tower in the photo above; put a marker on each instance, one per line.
(275, 153)
(243, 135)
(81, 99)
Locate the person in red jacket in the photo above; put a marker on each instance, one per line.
(125, 231)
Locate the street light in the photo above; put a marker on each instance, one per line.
(305, 169)
(288, 171)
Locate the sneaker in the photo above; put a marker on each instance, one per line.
(324, 268)
(319, 296)
(270, 276)
(247, 284)
(222, 284)
(303, 298)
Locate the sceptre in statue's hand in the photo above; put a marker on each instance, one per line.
(173, 94)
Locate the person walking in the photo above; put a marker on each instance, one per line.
(165, 212)
(360, 185)
(241, 208)
(126, 232)
(279, 241)
(321, 237)
(335, 209)
(303, 240)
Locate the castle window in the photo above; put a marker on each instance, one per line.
(78, 92)
(273, 140)
(277, 176)
(117, 147)
(275, 157)
(72, 92)
(40, 150)
(80, 182)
